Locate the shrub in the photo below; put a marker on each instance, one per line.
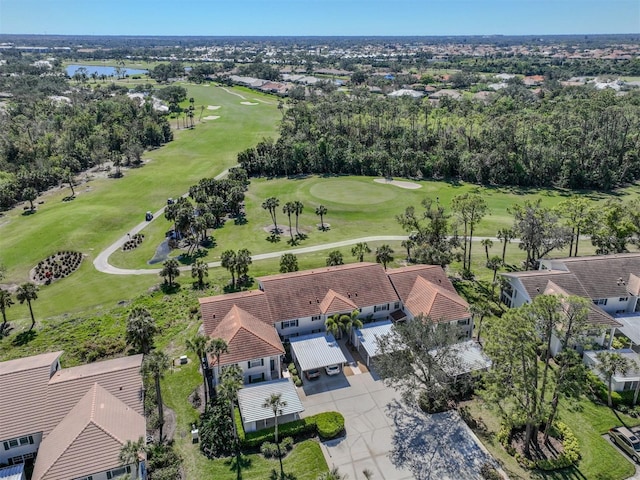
(269, 450)
(488, 472)
(239, 425)
(291, 368)
(329, 424)
(569, 442)
(287, 444)
(297, 381)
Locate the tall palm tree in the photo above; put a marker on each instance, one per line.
(170, 270)
(132, 452)
(298, 208)
(276, 404)
(218, 346)
(228, 260)
(243, 260)
(494, 263)
(5, 302)
(232, 381)
(155, 364)
(321, 210)
(408, 244)
(505, 235)
(199, 270)
(384, 255)
(28, 292)
(288, 209)
(479, 310)
(271, 204)
(199, 344)
(611, 364)
(141, 327)
(359, 250)
(487, 243)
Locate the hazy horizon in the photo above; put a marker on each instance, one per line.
(282, 18)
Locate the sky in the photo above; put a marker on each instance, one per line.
(318, 17)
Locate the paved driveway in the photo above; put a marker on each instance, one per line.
(393, 441)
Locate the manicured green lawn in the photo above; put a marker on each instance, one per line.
(588, 421)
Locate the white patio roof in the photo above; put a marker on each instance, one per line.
(632, 376)
(317, 350)
(369, 333)
(251, 398)
(630, 326)
(471, 357)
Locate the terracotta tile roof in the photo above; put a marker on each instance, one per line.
(334, 302)
(120, 377)
(404, 278)
(247, 337)
(298, 294)
(214, 309)
(89, 438)
(23, 388)
(436, 302)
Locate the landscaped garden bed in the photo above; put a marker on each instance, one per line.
(55, 267)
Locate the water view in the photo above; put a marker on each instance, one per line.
(104, 70)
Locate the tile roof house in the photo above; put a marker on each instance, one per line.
(610, 282)
(43, 403)
(299, 303)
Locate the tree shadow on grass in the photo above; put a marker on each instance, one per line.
(189, 259)
(273, 238)
(24, 337)
(26, 213)
(238, 464)
(170, 289)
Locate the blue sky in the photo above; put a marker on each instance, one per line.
(319, 17)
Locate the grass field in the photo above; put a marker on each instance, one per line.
(588, 421)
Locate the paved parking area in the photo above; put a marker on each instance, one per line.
(389, 439)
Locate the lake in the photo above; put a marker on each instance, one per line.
(103, 69)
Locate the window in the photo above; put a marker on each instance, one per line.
(256, 378)
(463, 322)
(256, 363)
(380, 308)
(600, 301)
(118, 471)
(289, 324)
(17, 442)
(624, 299)
(316, 317)
(90, 477)
(396, 305)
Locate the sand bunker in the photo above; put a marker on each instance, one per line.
(407, 185)
(211, 117)
(213, 107)
(249, 103)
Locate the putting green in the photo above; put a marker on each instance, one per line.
(350, 192)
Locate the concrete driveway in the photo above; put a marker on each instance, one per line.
(389, 439)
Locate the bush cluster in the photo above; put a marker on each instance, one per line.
(567, 458)
(600, 391)
(327, 425)
(270, 450)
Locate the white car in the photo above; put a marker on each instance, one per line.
(332, 369)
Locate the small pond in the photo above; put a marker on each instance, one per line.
(104, 69)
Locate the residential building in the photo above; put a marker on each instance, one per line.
(610, 282)
(252, 398)
(71, 422)
(291, 305)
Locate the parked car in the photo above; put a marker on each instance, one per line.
(148, 216)
(627, 441)
(332, 369)
(170, 201)
(311, 374)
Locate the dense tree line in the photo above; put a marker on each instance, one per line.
(45, 141)
(576, 137)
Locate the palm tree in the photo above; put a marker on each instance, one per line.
(505, 235)
(228, 260)
(479, 311)
(132, 452)
(155, 364)
(276, 404)
(141, 327)
(243, 260)
(200, 269)
(232, 381)
(350, 321)
(170, 270)
(289, 208)
(332, 325)
(487, 243)
(298, 208)
(271, 204)
(609, 365)
(218, 346)
(199, 344)
(359, 250)
(5, 302)
(334, 258)
(333, 474)
(384, 255)
(408, 244)
(322, 211)
(28, 292)
(494, 263)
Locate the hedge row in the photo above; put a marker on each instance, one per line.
(327, 425)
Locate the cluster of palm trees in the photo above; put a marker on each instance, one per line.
(291, 208)
(384, 254)
(202, 346)
(237, 263)
(343, 323)
(27, 292)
